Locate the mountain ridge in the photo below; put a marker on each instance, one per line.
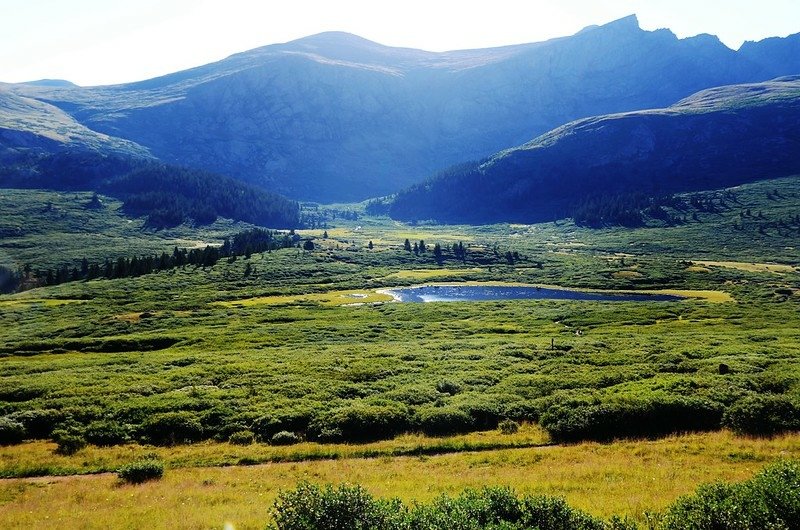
(333, 116)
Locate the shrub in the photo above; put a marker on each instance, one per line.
(360, 423)
(68, 442)
(508, 427)
(443, 421)
(771, 499)
(170, 428)
(345, 507)
(295, 420)
(39, 423)
(141, 471)
(11, 431)
(762, 415)
(105, 433)
(648, 416)
(242, 438)
(448, 387)
(284, 438)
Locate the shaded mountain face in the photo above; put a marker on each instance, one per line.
(716, 138)
(336, 117)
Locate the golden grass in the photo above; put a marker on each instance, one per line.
(425, 274)
(749, 267)
(24, 458)
(627, 274)
(45, 302)
(332, 298)
(626, 478)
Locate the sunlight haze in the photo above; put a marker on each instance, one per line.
(92, 42)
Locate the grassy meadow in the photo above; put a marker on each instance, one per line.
(402, 398)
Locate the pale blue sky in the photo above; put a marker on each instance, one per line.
(94, 42)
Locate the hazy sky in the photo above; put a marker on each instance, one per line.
(94, 42)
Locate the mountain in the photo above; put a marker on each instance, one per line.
(336, 117)
(716, 138)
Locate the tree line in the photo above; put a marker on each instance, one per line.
(241, 244)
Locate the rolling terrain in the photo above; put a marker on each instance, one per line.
(716, 138)
(334, 117)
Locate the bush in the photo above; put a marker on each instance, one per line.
(295, 420)
(448, 387)
(68, 442)
(310, 507)
(360, 423)
(771, 499)
(508, 427)
(351, 507)
(284, 438)
(444, 421)
(141, 471)
(11, 431)
(657, 415)
(170, 428)
(242, 438)
(39, 423)
(105, 433)
(762, 415)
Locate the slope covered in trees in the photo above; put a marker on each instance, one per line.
(168, 195)
(717, 138)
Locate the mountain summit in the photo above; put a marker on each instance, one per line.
(335, 117)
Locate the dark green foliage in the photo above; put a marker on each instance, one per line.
(508, 426)
(310, 507)
(295, 420)
(763, 415)
(139, 471)
(168, 195)
(360, 423)
(771, 500)
(170, 428)
(68, 441)
(656, 415)
(11, 431)
(284, 438)
(435, 421)
(39, 423)
(105, 433)
(242, 438)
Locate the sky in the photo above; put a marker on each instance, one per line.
(94, 42)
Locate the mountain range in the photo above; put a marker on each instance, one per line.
(716, 138)
(335, 117)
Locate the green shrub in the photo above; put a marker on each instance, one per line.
(141, 471)
(447, 386)
(105, 433)
(294, 420)
(436, 421)
(242, 438)
(39, 423)
(508, 427)
(310, 507)
(360, 423)
(646, 416)
(771, 500)
(762, 415)
(284, 438)
(68, 442)
(11, 431)
(170, 428)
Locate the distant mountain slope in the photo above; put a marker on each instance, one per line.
(26, 123)
(720, 137)
(336, 117)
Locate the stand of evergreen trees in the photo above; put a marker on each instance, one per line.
(241, 244)
(168, 195)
